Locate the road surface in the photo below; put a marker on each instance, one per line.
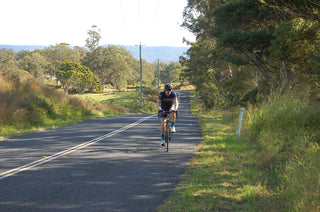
(107, 164)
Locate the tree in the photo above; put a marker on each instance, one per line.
(8, 61)
(119, 65)
(34, 63)
(296, 47)
(95, 61)
(61, 53)
(240, 40)
(171, 73)
(202, 71)
(147, 73)
(78, 75)
(64, 75)
(85, 79)
(305, 9)
(92, 42)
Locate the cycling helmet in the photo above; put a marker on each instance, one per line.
(168, 87)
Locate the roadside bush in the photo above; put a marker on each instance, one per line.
(285, 130)
(28, 104)
(150, 97)
(284, 126)
(301, 177)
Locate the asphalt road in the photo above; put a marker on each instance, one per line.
(107, 164)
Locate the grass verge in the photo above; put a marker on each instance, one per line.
(275, 166)
(222, 176)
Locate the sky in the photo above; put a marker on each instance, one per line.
(121, 22)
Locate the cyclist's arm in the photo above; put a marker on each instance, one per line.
(176, 104)
(159, 104)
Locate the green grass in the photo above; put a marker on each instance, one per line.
(126, 102)
(274, 166)
(285, 132)
(222, 176)
(29, 106)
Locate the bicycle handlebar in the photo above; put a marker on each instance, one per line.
(168, 112)
(163, 111)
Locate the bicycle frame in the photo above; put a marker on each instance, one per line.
(168, 130)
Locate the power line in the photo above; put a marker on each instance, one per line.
(123, 17)
(139, 19)
(155, 16)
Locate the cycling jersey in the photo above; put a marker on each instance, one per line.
(167, 101)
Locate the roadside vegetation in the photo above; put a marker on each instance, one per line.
(28, 105)
(87, 70)
(129, 101)
(39, 89)
(243, 58)
(273, 166)
(265, 58)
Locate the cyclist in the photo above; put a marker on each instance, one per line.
(167, 101)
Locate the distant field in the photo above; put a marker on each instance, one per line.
(129, 101)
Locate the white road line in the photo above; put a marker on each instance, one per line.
(70, 150)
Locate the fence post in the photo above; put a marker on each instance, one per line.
(240, 122)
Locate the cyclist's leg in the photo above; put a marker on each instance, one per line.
(173, 117)
(173, 122)
(163, 125)
(163, 129)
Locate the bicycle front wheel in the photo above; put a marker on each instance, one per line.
(167, 136)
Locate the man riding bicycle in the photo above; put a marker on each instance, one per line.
(167, 101)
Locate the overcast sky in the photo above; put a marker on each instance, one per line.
(122, 22)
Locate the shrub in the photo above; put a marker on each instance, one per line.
(301, 177)
(28, 104)
(283, 126)
(285, 129)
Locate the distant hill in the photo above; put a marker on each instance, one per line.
(149, 53)
(18, 48)
(153, 53)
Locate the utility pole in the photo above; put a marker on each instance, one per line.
(158, 74)
(141, 98)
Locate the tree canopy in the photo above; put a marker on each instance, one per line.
(250, 46)
(79, 75)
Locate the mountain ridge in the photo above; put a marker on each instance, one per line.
(151, 54)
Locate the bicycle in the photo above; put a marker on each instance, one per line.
(168, 129)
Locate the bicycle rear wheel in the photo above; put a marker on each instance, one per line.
(167, 145)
